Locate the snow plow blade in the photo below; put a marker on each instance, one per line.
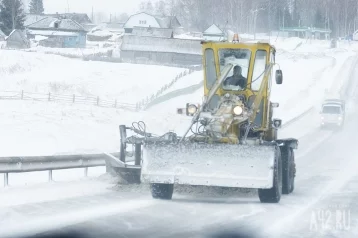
(224, 165)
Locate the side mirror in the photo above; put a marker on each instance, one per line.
(279, 76)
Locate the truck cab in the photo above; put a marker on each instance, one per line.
(332, 113)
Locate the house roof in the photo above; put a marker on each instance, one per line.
(117, 27)
(152, 44)
(32, 18)
(167, 21)
(214, 30)
(81, 18)
(163, 21)
(63, 24)
(17, 35)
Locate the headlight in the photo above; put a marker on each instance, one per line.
(192, 109)
(340, 118)
(238, 110)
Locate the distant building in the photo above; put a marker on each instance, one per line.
(17, 40)
(60, 33)
(214, 33)
(147, 20)
(304, 32)
(161, 51)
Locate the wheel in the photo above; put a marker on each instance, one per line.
(273, 195)
(162, 191)
(288, 170)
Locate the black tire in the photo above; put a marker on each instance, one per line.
(288, 170)
(273, 195)
(162, 191)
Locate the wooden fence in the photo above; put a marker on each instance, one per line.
(75, 99)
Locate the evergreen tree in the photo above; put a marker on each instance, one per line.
(36, 7)
(12, 15)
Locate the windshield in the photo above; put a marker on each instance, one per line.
(259, 69)
(331, 110)
(240, 58)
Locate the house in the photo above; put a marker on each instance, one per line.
(60, 33)
(214, 33)
(147, 20)
(17, 40)
(161, 51)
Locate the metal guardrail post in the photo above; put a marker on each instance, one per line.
(86, 171)
(6, 179)
(50, 175)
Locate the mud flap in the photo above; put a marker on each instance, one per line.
(224, 165)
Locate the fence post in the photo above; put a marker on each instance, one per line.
(97, 100)
(49, 96)
(86, 171)
(50, 175)
(22, 94)
(6, 179)
(115, 103)
(74, 98)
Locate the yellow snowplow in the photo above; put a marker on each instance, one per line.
(232, 138)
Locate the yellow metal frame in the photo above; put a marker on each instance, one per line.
(262, 94)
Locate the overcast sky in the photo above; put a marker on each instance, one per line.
(106, 6)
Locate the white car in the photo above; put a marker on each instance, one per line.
(333, 113)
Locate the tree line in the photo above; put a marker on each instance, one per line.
(12, 14)
(341, 16)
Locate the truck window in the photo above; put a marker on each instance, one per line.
(259, 69)
(331, 110)
(210, 68)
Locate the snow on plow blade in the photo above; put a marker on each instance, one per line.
(241, 166)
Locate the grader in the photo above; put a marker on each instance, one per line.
(232, 138)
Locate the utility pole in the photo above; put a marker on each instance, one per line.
(13, 15)
(68, 7)
(269, 20)
(92, 15)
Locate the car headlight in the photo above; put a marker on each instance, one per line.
(192, 109)
(238, 110)
(340, 118)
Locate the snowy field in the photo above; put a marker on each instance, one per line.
(47, 128)
(35, 72)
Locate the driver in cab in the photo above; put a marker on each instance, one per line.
(236, 79)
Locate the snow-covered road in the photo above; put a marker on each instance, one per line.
(322, 205)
